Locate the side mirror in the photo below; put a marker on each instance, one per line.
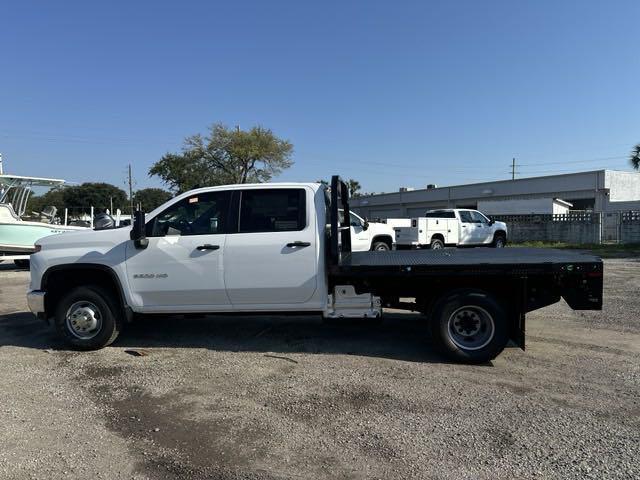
(365, 225)
(138, 234)
(491, 221)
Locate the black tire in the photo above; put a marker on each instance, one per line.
(380, 247)
(106, 309)
(452, 327)
(436, 244)
(22, 264)
(499, 241)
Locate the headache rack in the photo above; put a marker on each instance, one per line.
(340, 234)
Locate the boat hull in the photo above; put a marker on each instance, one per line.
(20, 237)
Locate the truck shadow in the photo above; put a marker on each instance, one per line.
(400, 336)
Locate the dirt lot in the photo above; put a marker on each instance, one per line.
(279, 398)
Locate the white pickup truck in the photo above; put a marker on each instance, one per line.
(266, 248)
(366, 235)
(451, 227)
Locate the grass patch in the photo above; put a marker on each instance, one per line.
(606, 250)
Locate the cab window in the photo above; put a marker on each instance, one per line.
(478, 217)
(201, 214)
(272, 210)
(355, 221)
(465, 216)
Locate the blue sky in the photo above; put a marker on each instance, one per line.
(390, 93)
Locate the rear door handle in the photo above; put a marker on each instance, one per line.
(298, 244)
(207, 246)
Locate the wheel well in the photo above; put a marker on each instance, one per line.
(57, 281)
(382, 238)
(500, 233)
(437, 236)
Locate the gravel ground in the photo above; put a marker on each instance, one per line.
(280, 398)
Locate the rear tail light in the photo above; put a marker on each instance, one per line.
(414, 223)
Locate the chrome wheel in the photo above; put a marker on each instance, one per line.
(499, 242)
(84, 320)
(382, 247)
(471, 327)
(437, 246)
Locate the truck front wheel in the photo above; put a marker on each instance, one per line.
(469, 326)
(86, 318)
(380, 246)
(499, 241)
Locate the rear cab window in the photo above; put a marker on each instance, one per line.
(441, 214)
(272, 210)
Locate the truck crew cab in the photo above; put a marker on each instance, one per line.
(458, 227)
(285, 248)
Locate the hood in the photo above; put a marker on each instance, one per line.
(86, 238)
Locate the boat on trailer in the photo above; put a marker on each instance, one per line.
(19, 230)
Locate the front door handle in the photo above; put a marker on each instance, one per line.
(298, 244)
(207, 246)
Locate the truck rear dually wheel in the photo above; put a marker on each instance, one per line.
(436, 244)
(87, 318)
(469, 326)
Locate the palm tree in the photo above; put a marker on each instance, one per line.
(634, 157)
(354, 187)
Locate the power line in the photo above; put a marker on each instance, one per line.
(573, 161)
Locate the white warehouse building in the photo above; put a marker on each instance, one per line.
(602, 191)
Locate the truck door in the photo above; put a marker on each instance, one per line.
(272, 257)
(484, 231)
(360, 238)
(182, 266)
(468, 232)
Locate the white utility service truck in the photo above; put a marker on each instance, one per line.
(285, 248)
(451, 227)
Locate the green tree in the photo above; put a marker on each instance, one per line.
(634, 157)
(354, 187)
(54, 198)
(150, 198)
(224, 156)
(99, 195)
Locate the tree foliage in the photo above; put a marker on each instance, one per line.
(98, 195)
(54, 197)
(224, 156)
(354, 187)
(150, 198)
(634, 157)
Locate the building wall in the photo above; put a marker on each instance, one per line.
(623, 186)
(603, 190)
(520, 206)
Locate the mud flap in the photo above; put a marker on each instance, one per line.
(518, 317)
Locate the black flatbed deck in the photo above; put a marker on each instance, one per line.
(470, 260)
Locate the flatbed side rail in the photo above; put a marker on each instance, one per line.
(340, 231)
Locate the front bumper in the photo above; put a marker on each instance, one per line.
(35, 300)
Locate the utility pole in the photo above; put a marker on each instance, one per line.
(130, 191)
(513, 169)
